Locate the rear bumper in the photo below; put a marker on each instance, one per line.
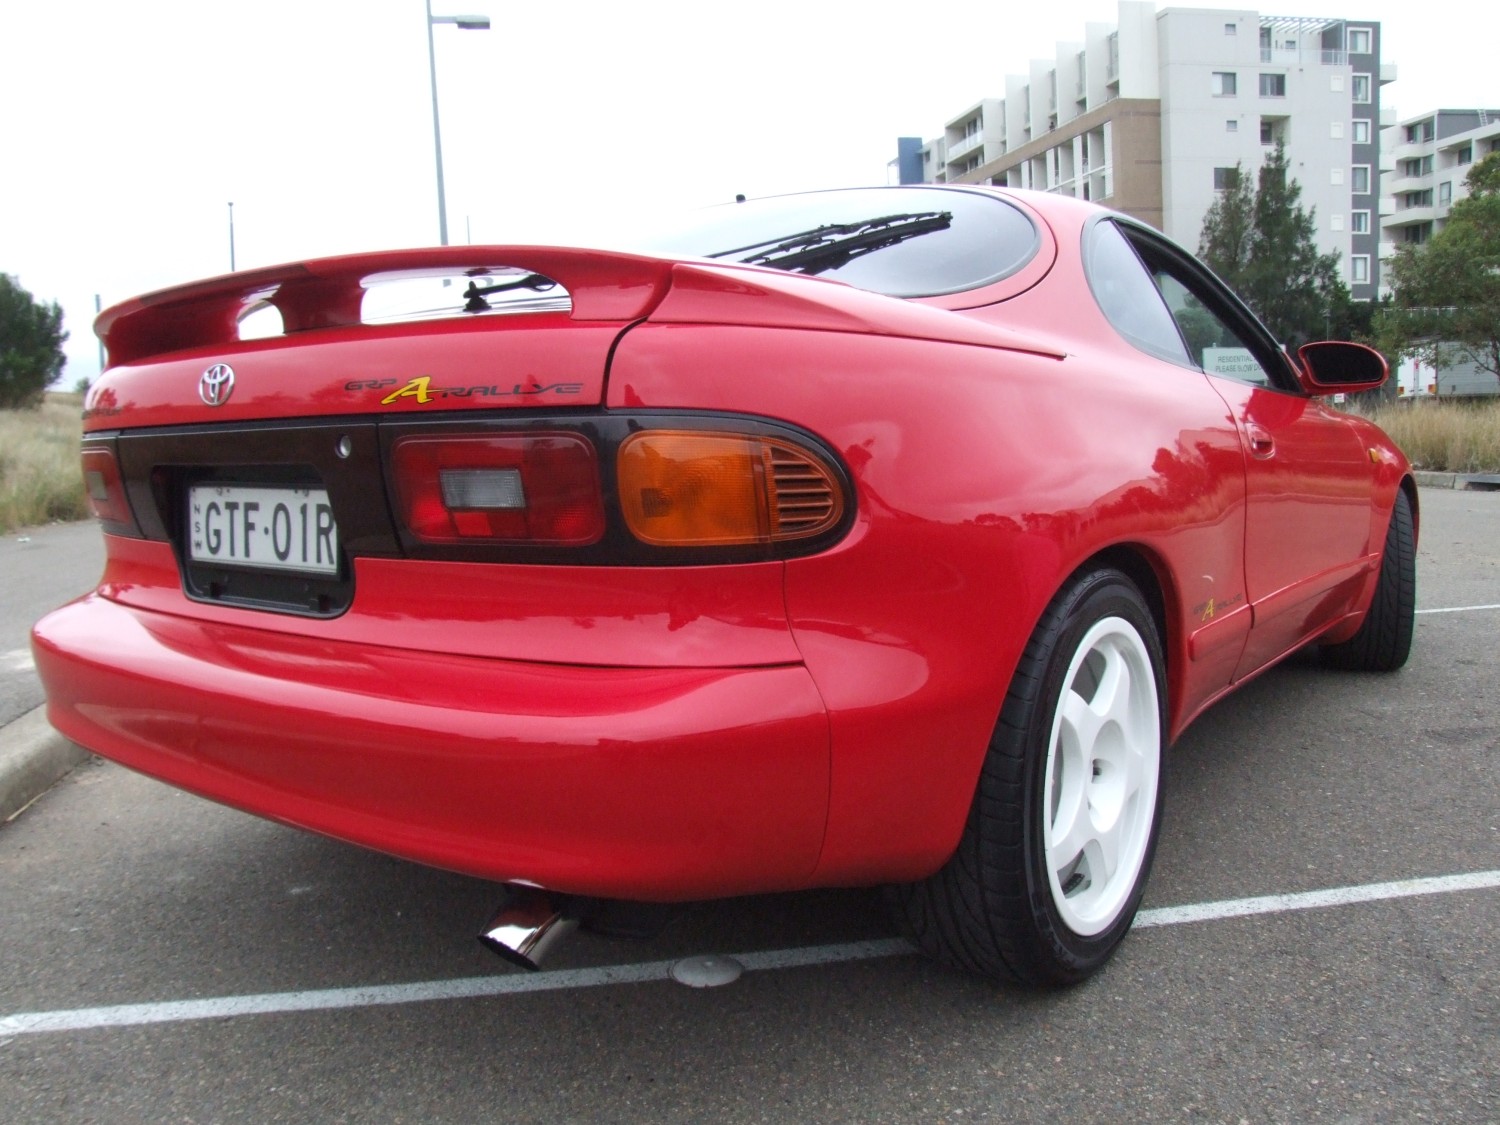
(647, 783)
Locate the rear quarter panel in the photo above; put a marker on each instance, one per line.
(984, 477)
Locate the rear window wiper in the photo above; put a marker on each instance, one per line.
(835, 245)
(476, 294)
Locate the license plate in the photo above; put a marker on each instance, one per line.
(263, 527)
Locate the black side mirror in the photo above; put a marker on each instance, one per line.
(1333, 366)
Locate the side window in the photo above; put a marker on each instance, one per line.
(1222, 339)
(1213, 345)
(1128, 297)
(1165, 303)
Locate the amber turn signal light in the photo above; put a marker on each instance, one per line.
(694, 488)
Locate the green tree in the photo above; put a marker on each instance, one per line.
(1263, 243)
(1445, 305)
(31, 340)
(1229, 231)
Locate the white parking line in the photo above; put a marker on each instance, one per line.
(175, 1011)
(1313, 900)
(1459, 609)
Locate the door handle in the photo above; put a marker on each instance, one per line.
(1261, 443)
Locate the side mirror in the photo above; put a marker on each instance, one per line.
(1335, 366)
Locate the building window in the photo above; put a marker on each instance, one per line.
(1232, 126)
(1273, 85)
(1359, 269)
(1359, 179)
(1359, 222)
(1224, 84)
(1225, 178)
(1231, 29)
(1445, 192)
(1359, 40)
(1421, 131)
(1466, 154)
(1417, 166)
(1360, 89)
(1361, 133)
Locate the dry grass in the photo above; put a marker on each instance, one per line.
(1444, 437)
(40, 478)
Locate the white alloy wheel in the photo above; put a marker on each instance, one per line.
(1102, 773)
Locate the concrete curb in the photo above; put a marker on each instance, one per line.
(33, 758)
(1464, 482)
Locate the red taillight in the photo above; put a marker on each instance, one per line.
(105, 489)
(540, 488)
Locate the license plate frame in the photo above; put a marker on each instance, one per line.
(262, 528)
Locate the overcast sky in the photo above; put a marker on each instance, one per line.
(129, 125)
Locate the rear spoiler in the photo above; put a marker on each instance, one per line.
(326, 293)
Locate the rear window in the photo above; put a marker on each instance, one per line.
(903, 242)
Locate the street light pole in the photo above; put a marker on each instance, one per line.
(464, 23)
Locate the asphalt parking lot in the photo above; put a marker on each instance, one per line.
(164, 959)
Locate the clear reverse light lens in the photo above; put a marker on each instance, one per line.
(470, 489)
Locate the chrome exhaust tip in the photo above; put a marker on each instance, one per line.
(527, 927)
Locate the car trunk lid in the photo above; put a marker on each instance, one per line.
(502, 328)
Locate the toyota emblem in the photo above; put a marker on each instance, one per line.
(216, 384)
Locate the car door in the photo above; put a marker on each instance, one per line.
(1307, 474)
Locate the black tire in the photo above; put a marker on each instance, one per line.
(994, 909)
(1384, 639)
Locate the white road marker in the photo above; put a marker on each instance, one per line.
(1459, 609)
(1316, 900)
(176, 1011)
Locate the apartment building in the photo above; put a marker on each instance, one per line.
(1426, 159)
(1425, 162)
(1150, 116)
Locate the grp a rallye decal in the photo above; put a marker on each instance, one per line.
(423, 391)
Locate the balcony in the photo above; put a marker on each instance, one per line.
(1409, 216)
(963, 147)
(1394, 186)
(1334, 58)
(1387, 73)
(1405, 150)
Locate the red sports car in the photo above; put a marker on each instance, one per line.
(882, 536)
